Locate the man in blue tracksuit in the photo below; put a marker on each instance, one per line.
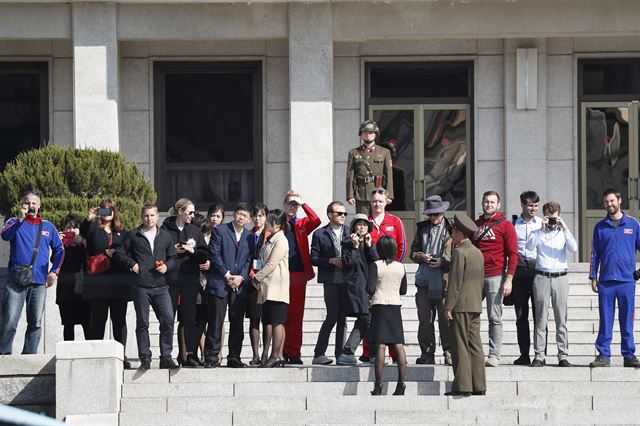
(21, 232)
(613, 249)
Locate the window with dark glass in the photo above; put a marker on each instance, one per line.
(24, 103)
(426, 80)
(610, 77)
(208, 132)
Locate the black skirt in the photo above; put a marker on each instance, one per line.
(386, 325)
(74, 313)
(253, 308)
(274, 313)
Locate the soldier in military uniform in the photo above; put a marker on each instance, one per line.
(463, 306)
(368, 167)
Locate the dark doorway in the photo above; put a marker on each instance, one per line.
(24, 108)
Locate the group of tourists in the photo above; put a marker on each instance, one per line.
(196, 268)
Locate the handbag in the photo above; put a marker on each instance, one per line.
(24, 273)
(99, 263)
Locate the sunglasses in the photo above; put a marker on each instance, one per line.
(340, 213)
(191, 213)
(434, 214)
(378, 191)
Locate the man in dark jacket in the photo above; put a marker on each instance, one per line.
(149, 252)
(228, 285)
(431, 249)
(326, 254)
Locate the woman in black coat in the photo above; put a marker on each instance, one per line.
(184, 279)
(108, 292)
(73, 310)
(358, 253)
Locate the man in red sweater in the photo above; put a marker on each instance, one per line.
(300, 271)
(498, 242)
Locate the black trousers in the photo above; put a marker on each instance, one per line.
(216, 311)
(186, 313)
(99, 309)
(158, 298)
(333, 301)
(521, 293)
(359, 332)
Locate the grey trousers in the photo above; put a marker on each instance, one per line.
(556, 290)
(492, 292)
(427, 310)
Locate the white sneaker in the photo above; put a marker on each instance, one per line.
(492, 362)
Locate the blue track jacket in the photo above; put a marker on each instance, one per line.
(22, 238)
(614, 249)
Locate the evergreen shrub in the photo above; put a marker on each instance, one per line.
(72, 180)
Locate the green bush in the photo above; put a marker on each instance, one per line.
(74, 180)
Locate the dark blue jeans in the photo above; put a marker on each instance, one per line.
(158, 298)
(15, 297)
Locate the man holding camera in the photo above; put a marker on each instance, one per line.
(431, 249)
(32, 240)
(613, 251)
(551, 243)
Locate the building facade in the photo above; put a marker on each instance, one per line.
(240, 101)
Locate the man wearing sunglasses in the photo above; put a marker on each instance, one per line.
(326, 254)
(431, 250)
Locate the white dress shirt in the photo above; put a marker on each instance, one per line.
(523, 231)
(551, 246)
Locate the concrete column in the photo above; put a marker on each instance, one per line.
(95, 76)
(89, 378)
(311, 103)
(525, 132)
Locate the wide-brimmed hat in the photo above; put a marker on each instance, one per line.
(358, 217)
(434, 204)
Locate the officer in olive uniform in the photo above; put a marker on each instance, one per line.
(368, 167)
(463, 306)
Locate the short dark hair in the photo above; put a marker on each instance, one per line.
(613, 191)
(488, 193)
(333, 203)
(551, 207)
(71, 221)
(527, 196)
(278, 217)
(259, 207)
(242, 207)
(214, 208)
(387, 248)
(28, 192)
(148, 206)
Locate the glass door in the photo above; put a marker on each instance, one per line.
(609, 158)
(438, 164)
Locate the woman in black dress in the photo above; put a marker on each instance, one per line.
(257, 237)
(109, 291)
(73, 310)
(386, 283)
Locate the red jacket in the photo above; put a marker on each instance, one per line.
(303, 227)
(498, 246)
(392, 226)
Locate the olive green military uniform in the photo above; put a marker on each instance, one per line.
(364, 167)
(464, 298)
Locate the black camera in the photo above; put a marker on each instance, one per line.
(636, 275)
(553, 221)
(105, 212)
(31, 211)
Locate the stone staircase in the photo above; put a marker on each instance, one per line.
(314, 395)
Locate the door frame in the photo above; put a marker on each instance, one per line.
(633, 184)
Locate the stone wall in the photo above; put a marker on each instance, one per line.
(29, 382)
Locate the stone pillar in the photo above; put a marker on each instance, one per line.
(95, 76)
(89, 378)
(311, 103)
(525, 132)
